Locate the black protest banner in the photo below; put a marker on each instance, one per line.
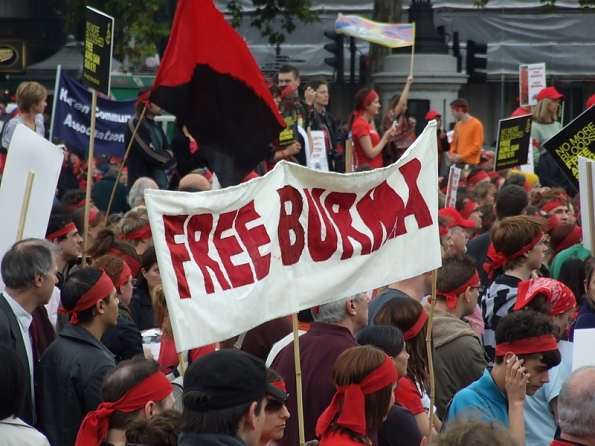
(514, 138)
(99, 42)
(289, 134)
(574, 140)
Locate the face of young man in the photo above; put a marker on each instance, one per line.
(536, 254)
(288, 79)
(539, 374)
(71, 245)
(322, 96)
(562, 213)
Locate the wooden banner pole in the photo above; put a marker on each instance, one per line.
(111, 198)
(298, 380)
(90, 168)
(348, 156)
(412, 52)
(25, 208)
(430, 357)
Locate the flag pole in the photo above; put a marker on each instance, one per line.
(25, 208)
(298, 379)
(56, 97)
(430, 356)
(412, 52)
(348, 156)
(111, 198)
(90, 167)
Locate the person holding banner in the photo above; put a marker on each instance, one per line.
(365, 379)
(31, 99)
(367, 144)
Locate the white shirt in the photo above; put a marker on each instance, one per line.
(15, 432)
(25, 320)
(52, 307)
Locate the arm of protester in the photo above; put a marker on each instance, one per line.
(402, 105)
(423, 424)
(290, 150)
(370, 151)
(516, 391)
(93, 388)
(309, 96)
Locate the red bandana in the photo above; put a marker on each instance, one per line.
(414, 331)
(140, 234)
(370, 97)
(142, 98)
(480, 175)
(288, 89)
(571, 239)
(130, 261)
(551, 205)
(96, 424)
(528, 346)
(99, 291)
(452, 297)
(498, 259)
(279, 385)
(60, 232)
(353, 413)
(124, 275)
(80, 204)
(560, 298)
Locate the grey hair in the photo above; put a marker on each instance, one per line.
(25, 260)
(576, 404)
(112, 172)
(136, 196)
(334, 312)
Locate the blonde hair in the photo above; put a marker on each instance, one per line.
(133, 220)
(540, 111)
(28, 94)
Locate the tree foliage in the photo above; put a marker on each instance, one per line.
(548, 5)
(275, 19)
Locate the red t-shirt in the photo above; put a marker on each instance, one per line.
(407, 395)
(360, 128)
(337, 439)
(168, 355)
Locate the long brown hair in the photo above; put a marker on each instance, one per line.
(404, 313)
(358, 104)
(351, 367)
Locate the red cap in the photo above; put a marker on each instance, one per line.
(591, 101)
(549, 92)
(454, 218)
(432, 114)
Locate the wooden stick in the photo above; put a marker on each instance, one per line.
(25, 208)
(430, 356)
(111, 198)
(90, 168)
(412, 52)
(348, 156)
(298, 379)
(182, 363)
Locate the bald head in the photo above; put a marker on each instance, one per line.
(576, 404)
(136, 196)
(194, 182)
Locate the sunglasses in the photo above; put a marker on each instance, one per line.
(274, 405)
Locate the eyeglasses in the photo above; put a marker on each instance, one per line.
(480, 288)
(274, 405)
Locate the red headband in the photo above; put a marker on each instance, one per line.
(528, 346)
(414, 331)
(124, 275)
(353, 413)
(142, 98)
(92, 215)
(571, 239)
(443, 230)
(460, 107)
(498, 259)
(288, 89)
(99, 291)
(452, 297)
(560, 298)
(480, 175)
(96, 424)
(468, 208)
(77, 205)
(279, 385)
(550, 205)
(60, 232)
(134, 264)
(143, 233)
(370, 97)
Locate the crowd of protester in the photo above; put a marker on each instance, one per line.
(515, 282)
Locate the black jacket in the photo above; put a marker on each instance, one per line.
(141, 309)
(68, 381)
(550, 175)
(102, 191)
(320, 121)
(124, 340)
(10, 333)
(478, 249)
(191, 439)
(144, 159)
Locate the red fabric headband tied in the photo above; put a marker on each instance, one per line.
(550, 205)
(571, 239)
(560, 298)
(142, 98)
(498, 259)
(134, 264)
(124, 275)
(92, 215)
(288, 89)
(442, 230)
(414, 331)
(143, 233)
(77, 205)
(60, 232)
(279, 385)
(460, 108)
(468, 208)
(480, 175)
(96, 424)
(370, 97)
(353, 414)
(99, 291)
(452, 297)
(537, 344)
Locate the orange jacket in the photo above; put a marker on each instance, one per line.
(467, 140)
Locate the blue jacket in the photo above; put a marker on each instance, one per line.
(481, 397)
(585, 318)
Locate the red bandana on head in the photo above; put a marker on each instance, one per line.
(499, 259)
(560, 298)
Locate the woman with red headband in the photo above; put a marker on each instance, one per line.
(411, 317)
(136, 230)
(275, 413)
(553, 298)
(365, 379)
(367, 143)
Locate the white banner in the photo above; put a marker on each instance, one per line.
(235, 258)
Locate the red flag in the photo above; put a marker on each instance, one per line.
(209, 80)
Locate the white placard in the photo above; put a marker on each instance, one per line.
(583, 354)
(318, 159)
(28, 152)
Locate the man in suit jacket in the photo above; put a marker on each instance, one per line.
(29, 274)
